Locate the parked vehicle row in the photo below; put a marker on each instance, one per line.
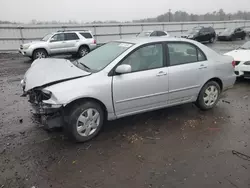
(62, 42)
(123, 78)
(202, 34)
(79, 43)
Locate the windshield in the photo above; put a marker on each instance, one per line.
(47, 37)
(102, 56)
(245, 46)
(144, 34)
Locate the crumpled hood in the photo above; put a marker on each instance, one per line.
(239, 55)
(46, 71)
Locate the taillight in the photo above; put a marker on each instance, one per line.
(233, 63)
(94, 41)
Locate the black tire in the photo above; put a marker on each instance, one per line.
(75, 112)
(39, 53)
(212, 39)
(200, 102)
(243, 37)
(82, 51)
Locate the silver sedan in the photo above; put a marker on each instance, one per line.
(123, 78)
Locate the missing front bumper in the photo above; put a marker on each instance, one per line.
(48, 117)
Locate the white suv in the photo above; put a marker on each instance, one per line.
(62, 42)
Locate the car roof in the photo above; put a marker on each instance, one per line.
(145, 40)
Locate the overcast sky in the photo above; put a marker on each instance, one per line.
(120, 10)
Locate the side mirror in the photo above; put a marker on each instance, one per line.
(122, 69)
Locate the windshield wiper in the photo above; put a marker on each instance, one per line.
(85, 66)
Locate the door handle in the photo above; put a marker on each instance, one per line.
(161, 73)
(202, 66)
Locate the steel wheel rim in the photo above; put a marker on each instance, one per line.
(40, 55)
(88, 122)
(210, 95)
(83, 52)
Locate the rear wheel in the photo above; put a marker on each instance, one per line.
(85, 121)
(83, 50)
(208, 96)
(243, 37)
(38, 54)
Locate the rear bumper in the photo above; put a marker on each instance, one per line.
(49, 117)
(229, 82)
(242, 70)
(92, 46)
(225, 38)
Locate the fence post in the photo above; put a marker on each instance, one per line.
(181, 28)
(163, 28)
(21, 34)
(95, 32)
(120, 31)
(141, 27)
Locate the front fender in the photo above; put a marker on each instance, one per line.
(86, 87)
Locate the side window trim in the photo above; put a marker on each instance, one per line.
(164, 52)
(182, 42)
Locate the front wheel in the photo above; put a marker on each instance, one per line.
(208, 96)
(212, 40)
(85, 121)
(38, 54)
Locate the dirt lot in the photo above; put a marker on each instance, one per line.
(174, 147)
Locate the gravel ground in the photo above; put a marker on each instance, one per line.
(175, 147)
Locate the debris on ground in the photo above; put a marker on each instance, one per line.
(241, 155)
(226, 101)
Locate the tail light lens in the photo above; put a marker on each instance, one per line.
(233, 63)
(94, 41)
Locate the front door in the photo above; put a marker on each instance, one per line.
(146, 87)
(186, 67)
(57, 44)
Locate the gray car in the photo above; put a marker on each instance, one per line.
(123, 78)
(62, 42)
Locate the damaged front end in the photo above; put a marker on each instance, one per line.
(49, 115)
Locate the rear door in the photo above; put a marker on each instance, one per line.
(57, 44)
(146, 87)
(71, 40)
(187, 66)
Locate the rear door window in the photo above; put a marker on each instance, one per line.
(71, 36)
(183, 53)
